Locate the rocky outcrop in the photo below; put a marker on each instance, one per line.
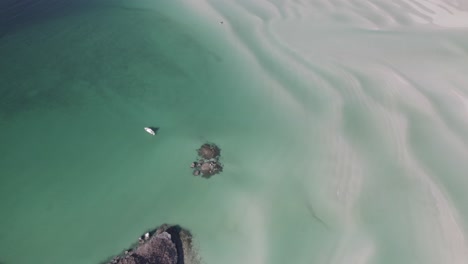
(163, 245)
(209, 151)
(208, 163)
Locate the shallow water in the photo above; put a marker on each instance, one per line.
(342, 126)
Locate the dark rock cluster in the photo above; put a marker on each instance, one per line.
(207, 163)
(164, 245)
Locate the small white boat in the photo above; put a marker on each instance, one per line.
(149, 130)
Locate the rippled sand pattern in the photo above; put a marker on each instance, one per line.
(378, 92)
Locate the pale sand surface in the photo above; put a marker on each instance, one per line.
(343, 128)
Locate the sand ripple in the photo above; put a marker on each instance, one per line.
(376, 92)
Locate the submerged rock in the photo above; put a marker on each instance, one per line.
(164, 245)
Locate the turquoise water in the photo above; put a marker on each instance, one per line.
(342, 128)
(77, 92)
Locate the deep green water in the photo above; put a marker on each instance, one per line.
(80, 177)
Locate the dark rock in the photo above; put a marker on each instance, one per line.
(164, 245)
(209, 151)
(208, 163)
(206, 167)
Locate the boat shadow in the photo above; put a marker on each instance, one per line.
(155, 129)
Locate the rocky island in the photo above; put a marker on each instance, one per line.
(164, 245)
(207, 163)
